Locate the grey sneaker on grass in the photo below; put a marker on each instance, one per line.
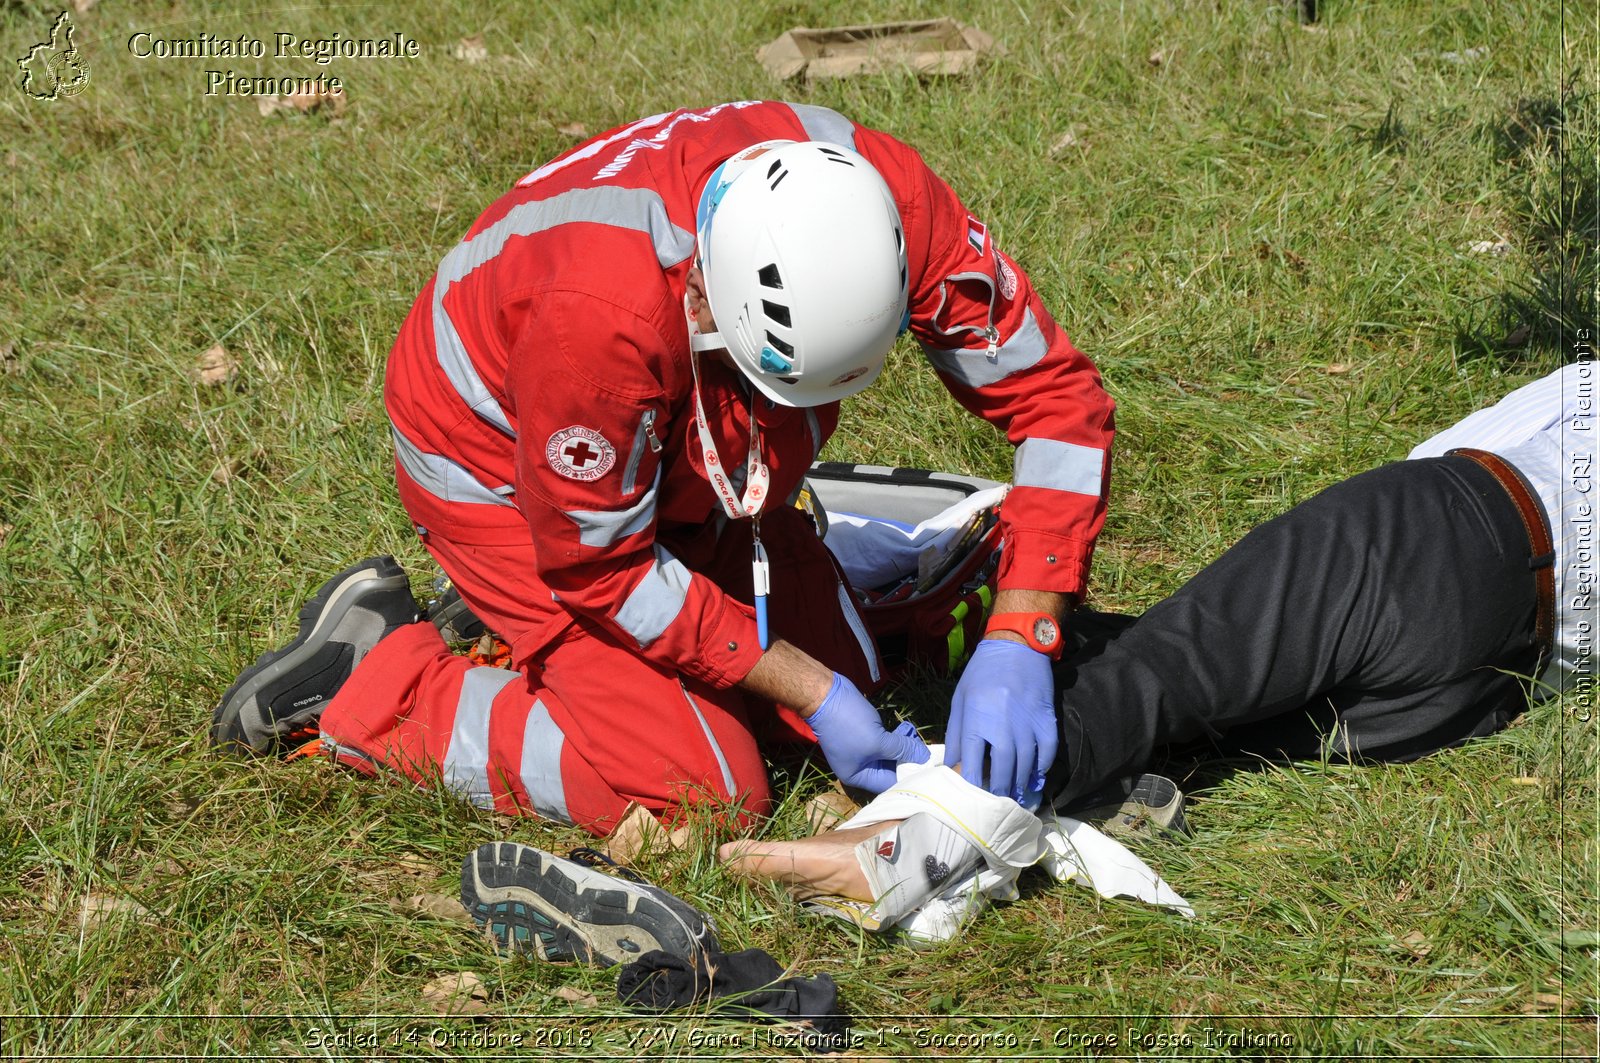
(1133, 807)
(282, 695)
(558, 909)
(450, 613)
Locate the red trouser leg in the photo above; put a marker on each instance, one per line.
(584, 726)
(503, 740)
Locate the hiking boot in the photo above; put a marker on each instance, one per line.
(1141, 807)
(284, 692)
(450, 614)
(557, 909)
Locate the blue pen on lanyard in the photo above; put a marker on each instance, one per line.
(761, 576)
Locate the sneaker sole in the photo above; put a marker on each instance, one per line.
(559, 910)
(319, 618)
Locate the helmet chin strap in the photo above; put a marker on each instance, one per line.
(700, 341)
(705, 341)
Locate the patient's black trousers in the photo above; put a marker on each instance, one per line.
(1390, 616)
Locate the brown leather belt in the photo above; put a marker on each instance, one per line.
(1542, 561)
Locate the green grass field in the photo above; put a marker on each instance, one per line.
(1262, 235)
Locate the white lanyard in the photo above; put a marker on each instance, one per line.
(757, 480)
(757, 476)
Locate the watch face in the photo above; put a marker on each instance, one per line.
(1045, 631)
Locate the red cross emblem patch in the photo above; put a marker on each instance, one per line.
(580, 453)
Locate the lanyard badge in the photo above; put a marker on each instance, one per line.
(757, 482)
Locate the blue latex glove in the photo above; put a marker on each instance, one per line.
(860, 752)
(1003, 709)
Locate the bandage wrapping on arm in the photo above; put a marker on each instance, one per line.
(994, 838)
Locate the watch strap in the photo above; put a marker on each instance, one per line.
(1023, 624)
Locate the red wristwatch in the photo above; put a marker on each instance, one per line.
(1039, 630)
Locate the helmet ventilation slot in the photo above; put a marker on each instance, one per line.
(776, 173)
(769, 276)
(777, 312)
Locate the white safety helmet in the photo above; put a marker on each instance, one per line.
(804, 261)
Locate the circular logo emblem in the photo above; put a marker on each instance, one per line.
(70, 71)
(580, 453)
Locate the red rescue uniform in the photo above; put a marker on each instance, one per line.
(542, 403)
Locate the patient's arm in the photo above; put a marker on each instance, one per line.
(824, 864)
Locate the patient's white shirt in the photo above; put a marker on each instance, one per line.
(1547, 430)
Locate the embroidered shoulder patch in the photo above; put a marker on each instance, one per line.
(1007, 277)
(580, 453)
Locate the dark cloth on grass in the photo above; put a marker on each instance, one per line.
(1388, 617)
(748, 983)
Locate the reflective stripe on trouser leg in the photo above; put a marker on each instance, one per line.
(476, 765)
(466, 759)
(711, 740)
(542, 742)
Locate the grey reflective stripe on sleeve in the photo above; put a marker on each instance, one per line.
(655, 603)
(820, 123)
(711, 740)
(541, 765)
(443, 478)
(607, 527)
(466, 759)
(1059, 466)
(628, 208)
(1024, 350)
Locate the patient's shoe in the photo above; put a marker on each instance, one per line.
(559, 909)
(1143, 807)
(283, 694)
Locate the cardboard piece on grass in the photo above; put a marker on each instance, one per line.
(939, 46)
(640, 834)
(216, 366)
(574, 995)
(304, 101)
(472, 49)
(828, 809)
(438, 906)
(457, 993)
(100, 910)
